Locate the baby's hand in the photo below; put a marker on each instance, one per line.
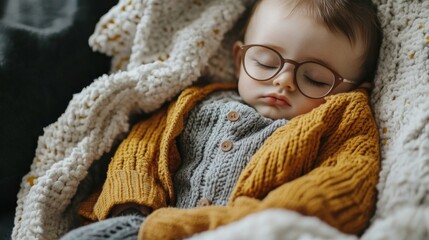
(130, 208)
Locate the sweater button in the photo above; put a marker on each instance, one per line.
(226, 146)
(204, 202)
(233, 116)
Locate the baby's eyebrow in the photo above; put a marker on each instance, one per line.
(323, 62)
(276, 47)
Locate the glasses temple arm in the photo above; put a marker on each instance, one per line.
(350, 81)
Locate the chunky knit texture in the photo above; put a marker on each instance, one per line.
(206, 170)
(324, 163)
(191, 32)
(141, 169)
(177, 48)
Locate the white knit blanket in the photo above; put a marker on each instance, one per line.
(160, 47)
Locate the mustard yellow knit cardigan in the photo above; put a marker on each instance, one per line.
(324, 163)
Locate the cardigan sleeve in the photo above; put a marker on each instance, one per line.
(332, 175)
(133, 172)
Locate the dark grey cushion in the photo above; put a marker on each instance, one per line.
(44, 60)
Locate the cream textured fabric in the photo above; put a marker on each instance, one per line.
(159, 47)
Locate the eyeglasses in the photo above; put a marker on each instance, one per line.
(313, 79)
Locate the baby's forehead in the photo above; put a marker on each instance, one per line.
(284, 6)
(325, 16)
(287, 8)
(282, 9)
(279, 9)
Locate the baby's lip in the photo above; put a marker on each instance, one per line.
(276, 99)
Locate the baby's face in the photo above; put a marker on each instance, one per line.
(299, 37)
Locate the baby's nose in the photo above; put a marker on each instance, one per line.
(285, 79)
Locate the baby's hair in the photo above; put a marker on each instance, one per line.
(356, 19)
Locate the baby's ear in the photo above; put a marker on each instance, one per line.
(236, 52)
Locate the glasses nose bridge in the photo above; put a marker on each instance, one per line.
(295, 64)
(283, 69)
(290, 61)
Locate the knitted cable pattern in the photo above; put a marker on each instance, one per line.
(159, 47)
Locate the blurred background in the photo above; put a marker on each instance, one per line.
(44, 60)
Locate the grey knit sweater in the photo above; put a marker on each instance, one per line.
(220, 136)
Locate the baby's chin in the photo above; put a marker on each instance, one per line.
(273, 113)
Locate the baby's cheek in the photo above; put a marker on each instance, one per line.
(310, 105)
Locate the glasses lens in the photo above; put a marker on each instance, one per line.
(261, 63)
(314, 80)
